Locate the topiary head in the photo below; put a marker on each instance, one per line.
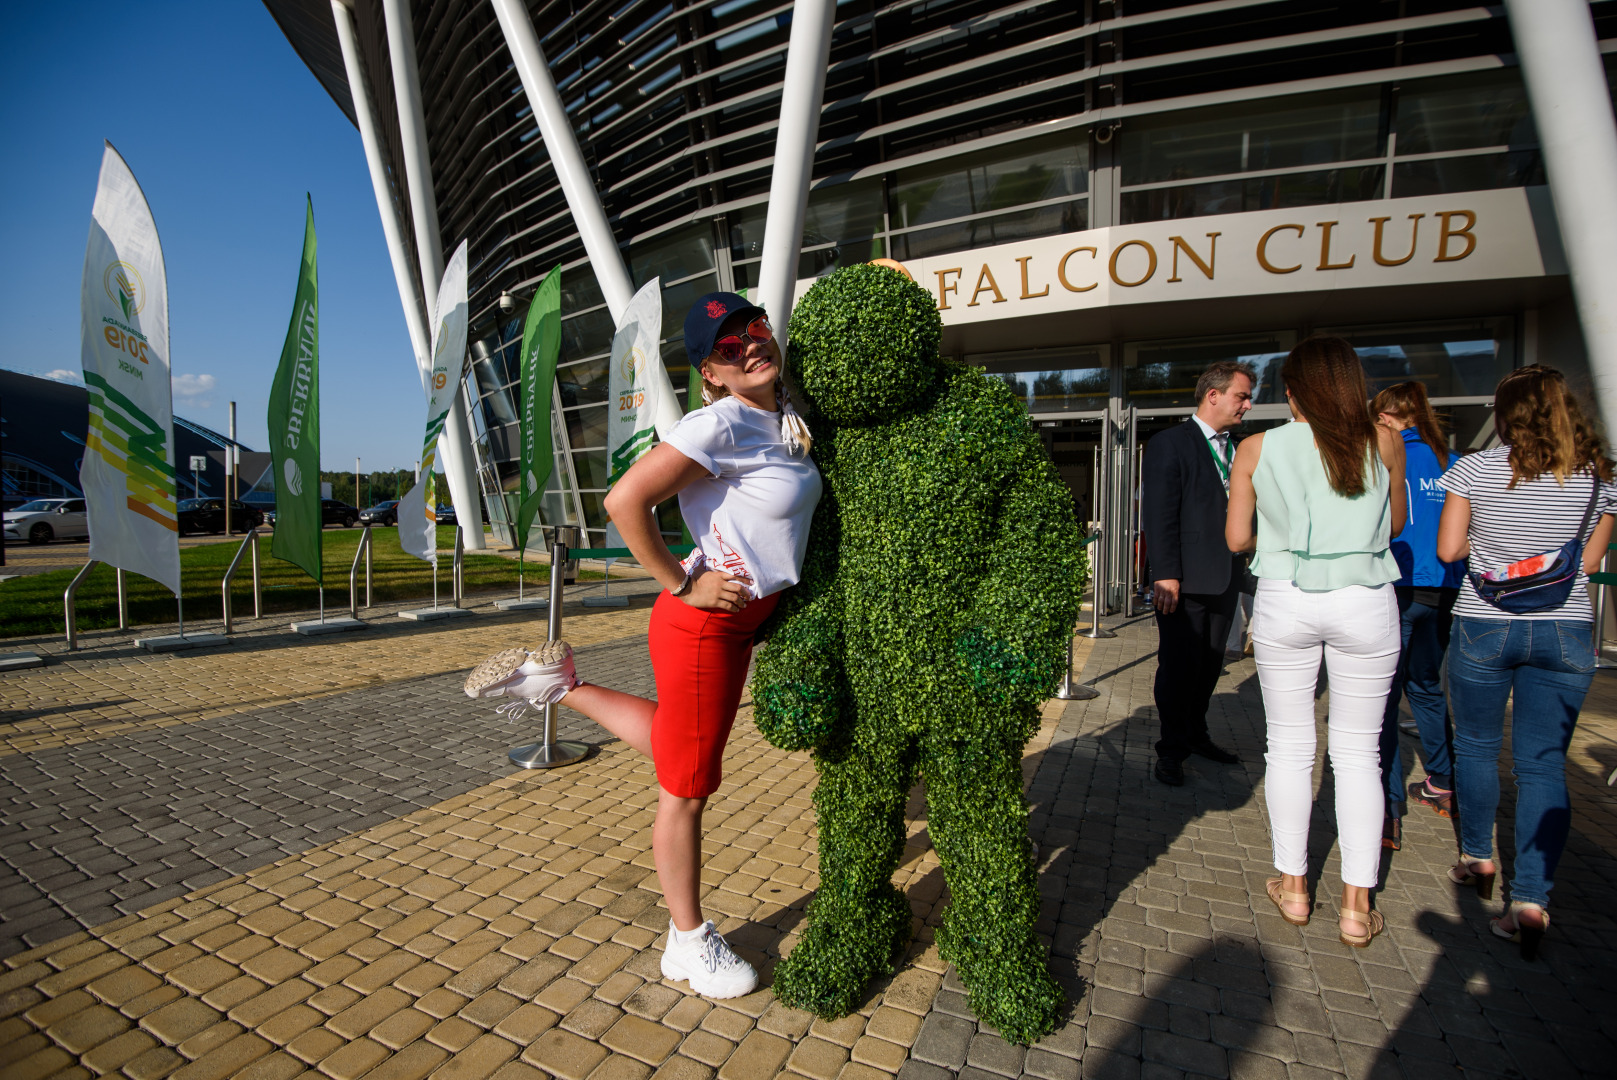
(864, 344)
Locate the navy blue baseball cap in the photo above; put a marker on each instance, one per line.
(706, 316)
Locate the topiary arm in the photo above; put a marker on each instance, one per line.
(799, 687)
(1021, 616)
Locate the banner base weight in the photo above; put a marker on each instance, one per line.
(540, 756)
(176, 642)
(522, 605)
(433, 614)
(331, 626)
(17, 661)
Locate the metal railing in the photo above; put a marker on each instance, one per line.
(364, 549)
(69, 597)
(458, 576)
(248, 543)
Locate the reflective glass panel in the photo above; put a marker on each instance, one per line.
(1453, 359)
(1052, 380)
(1163, 374)
(1486, 108)
(1515, 168)
(583, 383)
(687, 252)
(1252, 136)
(1265, 193)
(999, 229)
(996, 179)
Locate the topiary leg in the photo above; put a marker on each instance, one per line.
(978, 820)
(857, 921)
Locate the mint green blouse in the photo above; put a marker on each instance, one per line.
(1307, 533)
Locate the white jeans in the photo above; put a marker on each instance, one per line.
(1358, 629)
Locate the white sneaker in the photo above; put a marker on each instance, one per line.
(543, 676)
(1409, 727)
(707, 962)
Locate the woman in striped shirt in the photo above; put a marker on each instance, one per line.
(1550, 483)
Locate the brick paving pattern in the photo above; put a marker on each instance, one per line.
(292, 857)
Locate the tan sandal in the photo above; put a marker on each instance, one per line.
(1281, 897)
(1529, 935)
(1371, 919)
(1465, 872)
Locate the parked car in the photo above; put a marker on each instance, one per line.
(208, 516)
(446, 515)
(44, 520)
(332, 512)
(383, 513)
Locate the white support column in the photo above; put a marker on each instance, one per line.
(802, 96)
(562, 144)
(1566, 87)
(455, 444)
(359, 86)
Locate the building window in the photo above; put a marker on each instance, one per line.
(1454, 359)
(962, 202)
(1163, 374)
(1053, 380)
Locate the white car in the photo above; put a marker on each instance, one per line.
(44, 520)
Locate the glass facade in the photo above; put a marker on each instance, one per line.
(946, 126)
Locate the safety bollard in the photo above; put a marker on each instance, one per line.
(1070, 690)
(548, 753)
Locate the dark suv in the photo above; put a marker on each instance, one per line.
(208, 516)
(332, 512)
(383, 513)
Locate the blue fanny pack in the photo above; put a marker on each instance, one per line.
(1539, 582)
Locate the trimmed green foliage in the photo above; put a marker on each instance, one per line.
(936, 606)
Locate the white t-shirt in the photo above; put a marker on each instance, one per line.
(1509, 524)
(750, 516)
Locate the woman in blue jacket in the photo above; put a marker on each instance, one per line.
(1426, 594)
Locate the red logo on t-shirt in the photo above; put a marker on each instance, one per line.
(716, 310)
(729, 560)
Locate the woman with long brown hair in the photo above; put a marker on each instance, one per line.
(1426, 589)
(1327, 491)
(1522, 628)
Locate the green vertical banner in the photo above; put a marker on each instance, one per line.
(541, 346)
(294, 423)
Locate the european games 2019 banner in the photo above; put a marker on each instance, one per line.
(418, 510)
(128, 471)
(294, 422)
(639, 395)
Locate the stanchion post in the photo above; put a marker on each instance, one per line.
(548, 753)
(1075, 691)
(1600, 580)
(69, 600)
(123, 600)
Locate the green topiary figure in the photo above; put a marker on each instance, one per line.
(936, 606)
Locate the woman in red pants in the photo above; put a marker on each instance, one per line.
(747, 491)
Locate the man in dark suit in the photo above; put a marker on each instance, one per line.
(1196, 581)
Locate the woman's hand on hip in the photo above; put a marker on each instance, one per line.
(714, 590)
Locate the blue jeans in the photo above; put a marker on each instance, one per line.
(1425, 630)
(1549, 664)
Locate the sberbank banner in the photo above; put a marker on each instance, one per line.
(294, 422)
(418, 510)
(541, 346)
(128, 472)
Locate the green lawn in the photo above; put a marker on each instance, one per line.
(32, 605)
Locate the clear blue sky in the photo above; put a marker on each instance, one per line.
(226, 130)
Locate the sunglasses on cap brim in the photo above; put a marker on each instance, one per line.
(732, 348)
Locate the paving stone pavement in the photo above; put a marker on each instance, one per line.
(400, 903)
(1174, 969)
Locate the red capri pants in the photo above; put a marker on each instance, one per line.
(699, 659)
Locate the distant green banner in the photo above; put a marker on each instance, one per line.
(294, 423)
(541, 346)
